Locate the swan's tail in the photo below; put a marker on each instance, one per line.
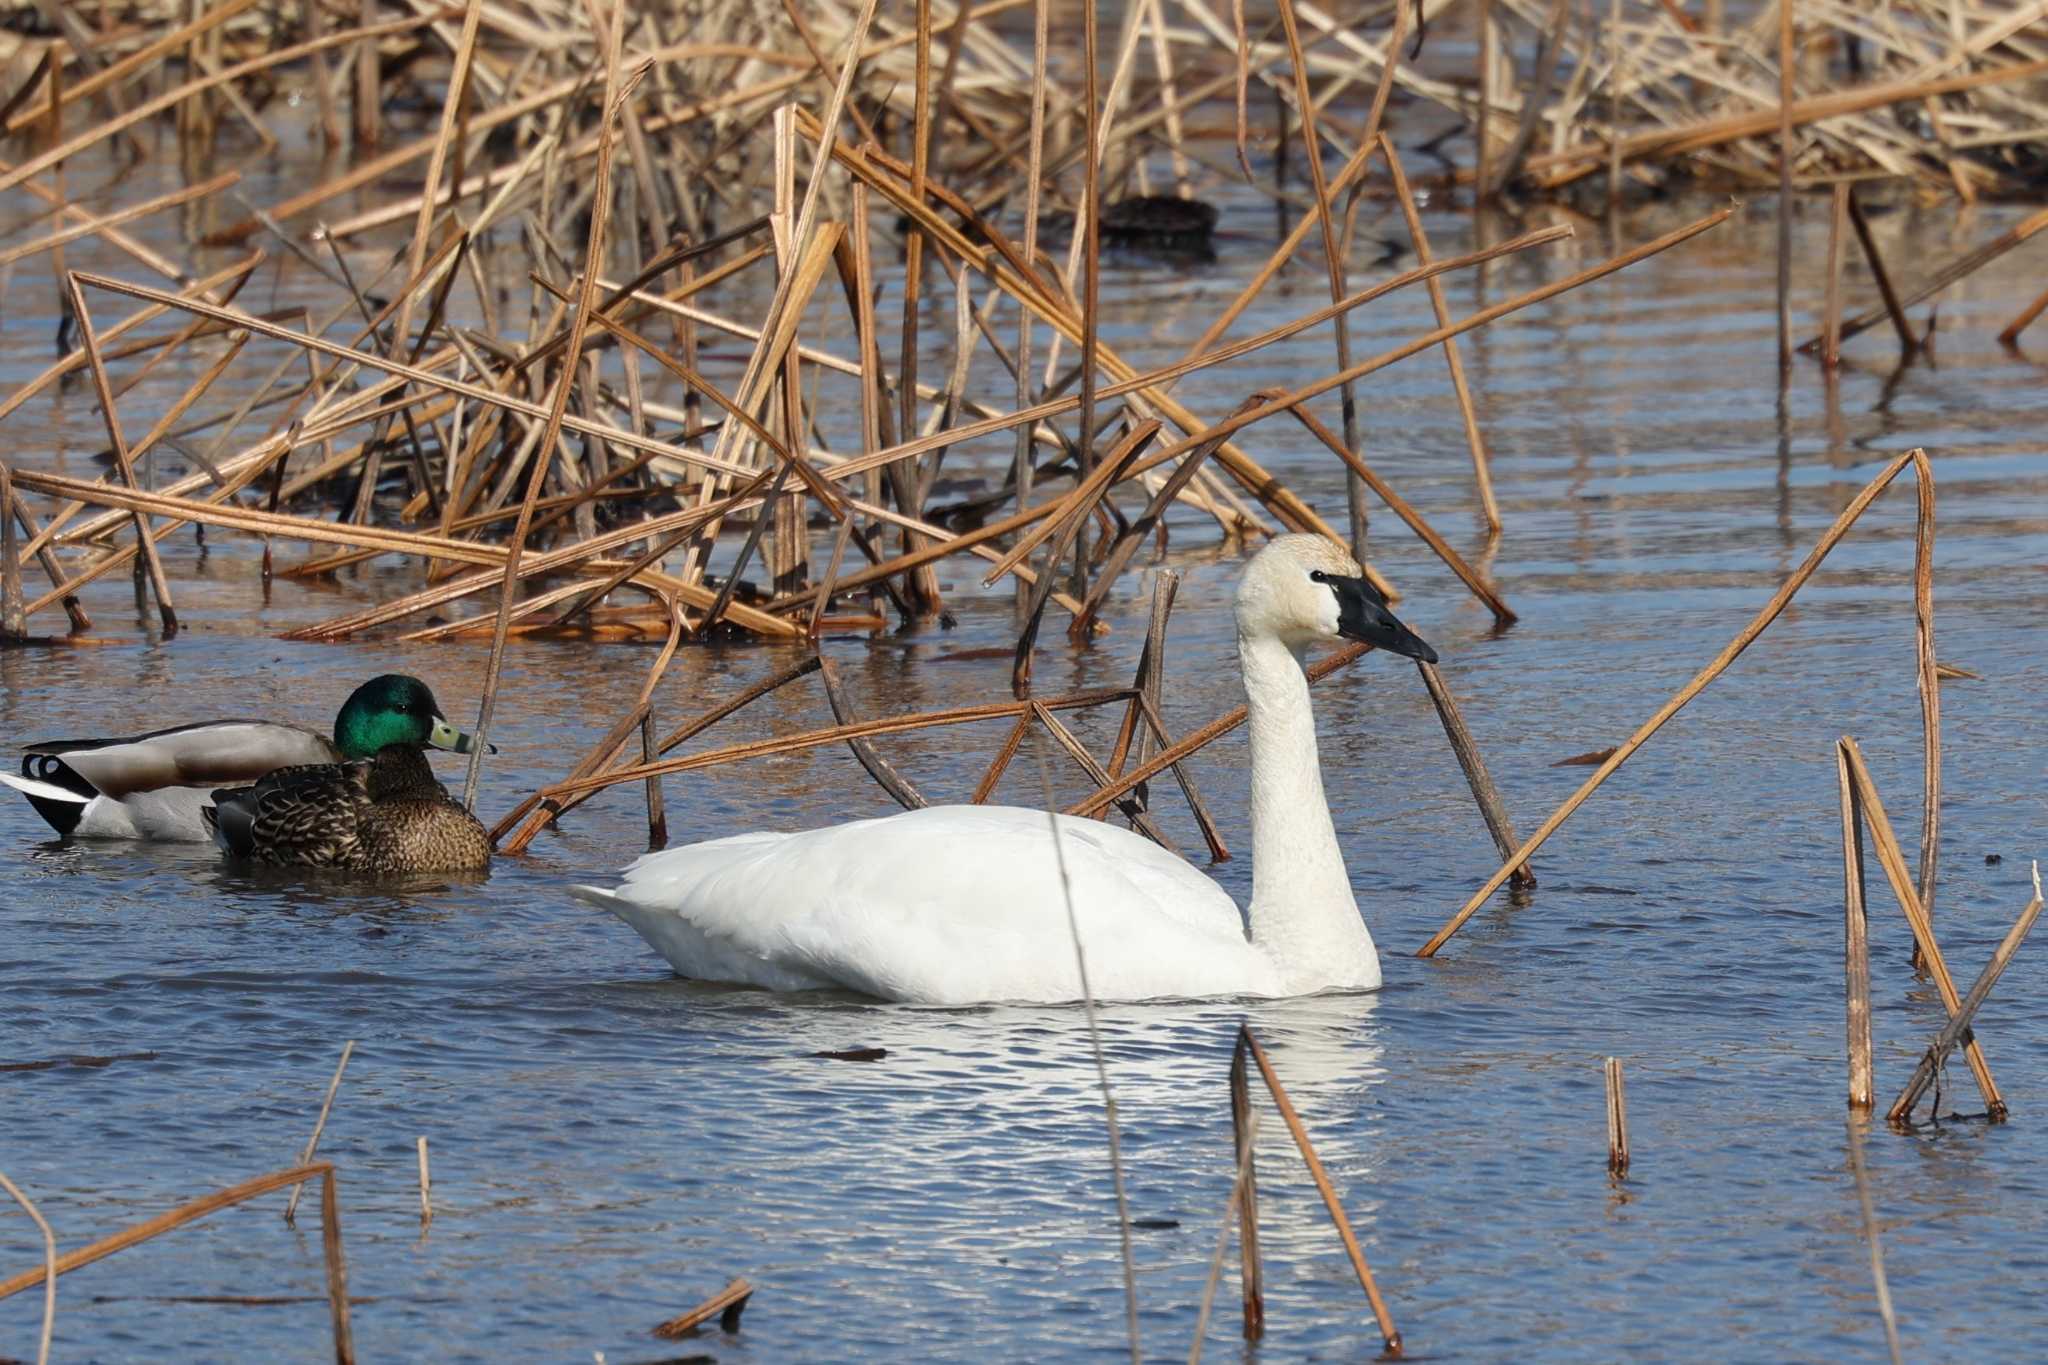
(598, 896)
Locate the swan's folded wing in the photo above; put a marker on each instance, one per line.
(953, 905)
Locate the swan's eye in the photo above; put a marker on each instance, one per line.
(1318, 576)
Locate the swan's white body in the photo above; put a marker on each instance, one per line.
(946, 906)
(962, 904)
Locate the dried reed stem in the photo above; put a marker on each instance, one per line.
(1391, 1337)
(1831, 325)
(49, 1266)
(13, 620)
(1893, 861)
(1959, 1022)
(178, 1217)
(1491, 808)
(616, 92)
(312, 1143)
(726, 1305)
(1481, 475)
(1744, 638)
(1617, 1119)
(1243, 1134)
(1787, 54)
(1855, 941)
(426, 1186)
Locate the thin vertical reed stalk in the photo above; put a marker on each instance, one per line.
(49, 1265)
(313, 1143)
(1463, 391)
(1831, 325)
(1855, 941)
(426, 1186)
(1617, 1119)
(1116, 1164)
(1089, 238)
(1231, 1208)
(1391, 1337)
(167, 614)
(337, 1269)
(1787, 53)
(1244, 1126)
(13, 620)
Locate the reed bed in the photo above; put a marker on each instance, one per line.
(518, 377)
(509, 382)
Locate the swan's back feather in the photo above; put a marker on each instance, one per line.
(946, 905)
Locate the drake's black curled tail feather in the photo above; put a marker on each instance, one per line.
(62, 815)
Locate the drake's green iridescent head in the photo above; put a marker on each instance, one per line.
(394, 709)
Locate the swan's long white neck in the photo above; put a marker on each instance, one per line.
(1303, 914)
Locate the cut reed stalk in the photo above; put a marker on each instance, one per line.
(1617, 1119)
(726, 1305)
(337, 1269)
(1855, 941)
(426, 1186)
(13, 620)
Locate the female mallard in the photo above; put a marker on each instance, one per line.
(382, 814)
(157, 786)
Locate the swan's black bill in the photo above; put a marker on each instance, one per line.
(1362, 615)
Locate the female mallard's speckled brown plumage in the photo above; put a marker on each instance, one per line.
(383, 815)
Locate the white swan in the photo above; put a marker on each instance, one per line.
(956, 905)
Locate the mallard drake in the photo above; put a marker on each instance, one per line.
(156, 786)
(380, 813)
